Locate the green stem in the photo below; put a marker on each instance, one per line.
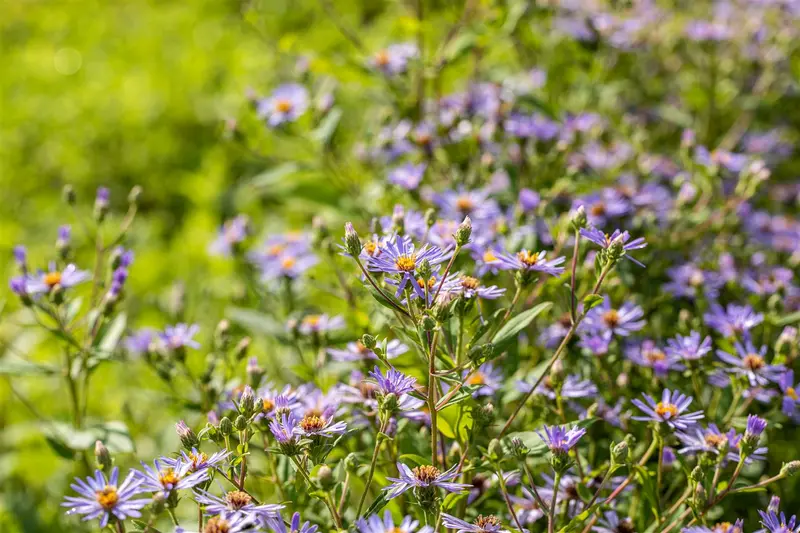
(551, 514)
(372, 464)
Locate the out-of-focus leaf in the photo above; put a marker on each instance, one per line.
(327, 127)
(273, 176)
(113, 333)
(416, 459)
(114, 435)
(21, 367)
(255, 322)
(379, 503)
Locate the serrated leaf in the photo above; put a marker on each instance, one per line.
(510, 330)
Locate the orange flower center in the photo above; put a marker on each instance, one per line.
(312, 320)
(275, 249)
(715, 440)
(791, 393)
(465, 204)
(611, 318)
(267, 404)
(426, 473)
(312, 423)
(283, 106)
(370, 247)
(217, 525)
(477, 379)
(288, 262)
(485, 522)
(52, 279)
(468, 282)
(697, 278)
(664, 409)
(527, 258)
(406, 263)
(598, 209)
(237, 499)
(382, 58)
(431, 283)
(654, 355)
(168, 477)
(108, 497)
(754, 362)
(198, 459)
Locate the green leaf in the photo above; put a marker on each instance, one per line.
(648, 486)
(113, 333)
(453, 499)
(379, 503)
(510, 330)
(273, 176)
(788, 319)
(416, 459)
(591, 301)
(21, 367)
(114, 435)
(255, 322)
(445, 428)
(327, 127)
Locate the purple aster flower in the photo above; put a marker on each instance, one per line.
(140, 342)
(527, 508)
(232, 232)
(596, 343)
(603, 206)
(236, 504)
(689, 281)
(649, 355)
(622, 321)
(180, 336)
(394, 59)
(722, 527)
(356, 351)
(529, 200)
(573, 388)
(710, 440)
(768, 281)
(21, 257)
(476, 204)
(227, 522)
(168, 475)
(470, 287)
(560, 439)
(612, 523)
(604, 240)
(407, 176)
(750, 362)
(276, 524)
(525, 261)
(44, 282)
(102, 198)
(733, 320)
(319, 425)
(286, 104)
(423, 477)
(487, 378)
(670, 410)
(774, 523)
(690, 347)
(118, 279)
(18, 285)
(64, 236)
(487, 258)
(105, 499)
(195, 460)
(791, 400)
(400, 257)
(316, 324)
(374, 524)
(755, 427)
(283, 428)
(482, 524)
(394, 382)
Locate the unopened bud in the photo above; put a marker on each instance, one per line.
(424, 270)
(101, 203)
(240, 351)
(351, 463)
(495, 450)
(225, 426)
(325, 477)
(579, 220)
(483, 416)
(369, 341)
(463, 232)
(102, 456)
(222, 335)
(241, 423)
(351, 241)
(399, 219)
(557, 375)
(320, 228)
(622, 380)
(696, 475)
(620, 453)
(518, 448)
(430, 217)
(188, 437)
(774, 504)
(68, 194)
(790, 468)
(428, 323)
(247, 402)
(133, 196)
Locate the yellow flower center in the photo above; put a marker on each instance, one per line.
(664, 409)
(754, 362)
(598, 209)
(611, 318)
(312, 320)
(431, 283)
(197, 459)
(468, 282)
(237, 499)
(477, 379)
(283, 106)
(791, 393)
(382, 58)
(527, 258)
(370, 247)
(108, 497)
(465, 204)
(697, 278)
(168, 477)
(312, 423)
(275, 249)
(488, 256)
(406, 263)
(267, 405)
(426, 473)
(288, 262)
(712, 439)
(217, 525)
(654, 355)
(485, 522)
(51, 279)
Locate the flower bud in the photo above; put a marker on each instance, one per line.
(241, 423)
(159, 502)
(774, 505)
(463, 232)
(622, 380)
(102, 457)
(495, 450)
(325, 477)
(428, 323)
(620, 453)
(424, 269)
(430, 217)
(615, 251)
(483, 416)
(133, 196)
(518, 448)
(399, 219)
(351, 463)
(222, 336)
(225, 426)
(369, 341)
(63, 241)
(188, 437)
(351, 241)
(557, 375)
(787, 341)
(241, 348)
(101, 203)
(579, 220)
(696, 475)
(247, 402)
(319, 228)
(254, 371)
(68, 194)
(790, 468)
